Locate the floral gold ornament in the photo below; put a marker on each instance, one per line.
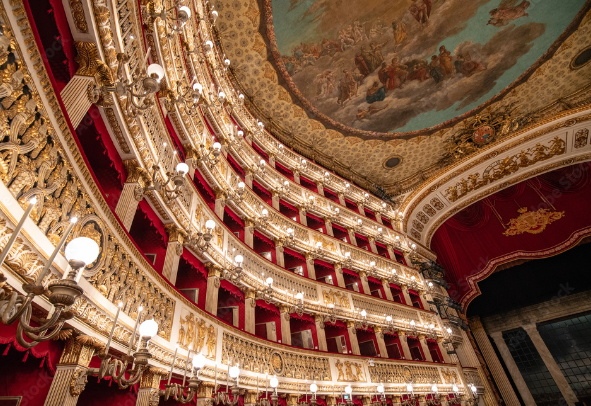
(532, 222)
(505, 167)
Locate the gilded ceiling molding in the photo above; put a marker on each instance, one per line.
(500, 165)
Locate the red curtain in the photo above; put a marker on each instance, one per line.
(471, 244)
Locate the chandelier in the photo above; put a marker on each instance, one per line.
(118, 369)
(234, 275)
(381, 398)
(172, 25)
(266, 293)
(362, 321)
(299, 307)
(181, 393)
(137, 90)
(171, 189)
(209, 156)
(201, 241)
(63, 293)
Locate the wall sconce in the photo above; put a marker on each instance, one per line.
(175, 179)
(201, 241)
(172, 25)
(209, 156)
(143, 84)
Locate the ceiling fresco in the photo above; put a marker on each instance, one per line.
(247, 36)
(383, 66)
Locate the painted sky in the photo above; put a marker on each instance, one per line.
(311, 21)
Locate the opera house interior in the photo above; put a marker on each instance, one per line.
(295, 202)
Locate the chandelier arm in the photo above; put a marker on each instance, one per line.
(12, 304)
(26, 317)
(37, 339)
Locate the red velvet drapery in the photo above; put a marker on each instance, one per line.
(471, 244)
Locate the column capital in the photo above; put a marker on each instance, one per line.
(284, 308)
(327, 220)
(175, 234)
(385, 281)
(249, 294)
(422, 337)
(205, 389)
(278, 242)
(135, 173)
(362, 274)
(338, 267)
(248, 223)
(151, 378)
(351, 325)
(80, 350)
(377, 329)
(309, 256)
(371, 238)
(319, 319)
(213, 270)
(190, 152)
(404, 286)
(319, 184)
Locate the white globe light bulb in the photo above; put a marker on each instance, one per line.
(157, 70)
(217, 146)
(241, 185)
(82, 249)
(182, 168)
(381, 388)
(238, 259)
(210, 224)
(265, 212)
(269, 281)
(412, 322)
(240, 133)
(389, 319)
(409, 387)
(186, 10)
(434, 388)
(455, 388)
(273, 382)
(234, 372)
(300, 296)
(198, 361)
(148, 328)
(348, 389)
(198, 88)
(363, 313)
(313, 388)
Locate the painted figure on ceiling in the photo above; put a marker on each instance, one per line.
(421, 10)
(507, 12)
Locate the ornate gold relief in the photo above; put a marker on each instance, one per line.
(449, 375)
(352, 372)
(336, 298)
(532, 222)
(78, 15)
(506, 167)
(258, 357)
(394, 373)
(195, 333)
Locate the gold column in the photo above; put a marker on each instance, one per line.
(250, 304)
(70, 377)
(381, 343)
(213, 285)
(372, 244)
(127, 203)
(403, 341)
(174, 250)
(285, 326)
(148, 392)
(338, 270)
(204, 393)
(387, 290)
(353, 337)
(320, 334)
(364, 283)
